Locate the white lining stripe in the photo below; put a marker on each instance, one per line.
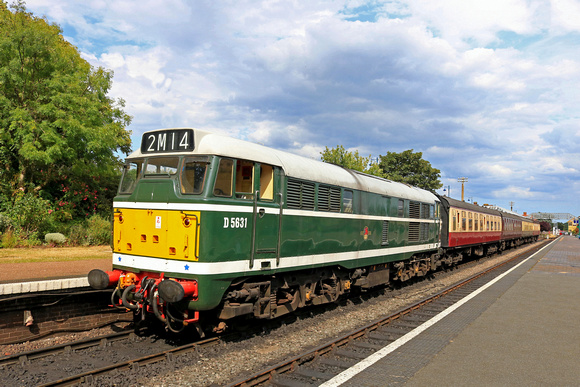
(250, 209)
(375, 357)
(243, 266)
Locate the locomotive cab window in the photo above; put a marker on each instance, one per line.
(266, 182)
(224, 180)
(245, 179)
(161, 166)
(131, 174)
(193, 171)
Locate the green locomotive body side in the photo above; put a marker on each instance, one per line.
(279, 223)
(308, 239)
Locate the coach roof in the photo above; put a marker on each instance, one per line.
(207, 143)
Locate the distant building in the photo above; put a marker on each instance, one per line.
(573, 225)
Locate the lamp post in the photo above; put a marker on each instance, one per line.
(448, 189)
(462, 180)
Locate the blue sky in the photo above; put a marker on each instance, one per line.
(489, 90)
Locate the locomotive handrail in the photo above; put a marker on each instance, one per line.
(279, 228)
(253, 246)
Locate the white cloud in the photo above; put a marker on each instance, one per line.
(513, 192)
(487, 90)
(565, 15)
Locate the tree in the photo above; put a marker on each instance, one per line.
(545, 226)
(410, 168)
(57, 124)
(350, 160)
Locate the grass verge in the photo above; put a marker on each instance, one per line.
(54, 254)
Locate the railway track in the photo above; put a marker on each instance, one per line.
(83, 361)
(314, 365)
(320, 364)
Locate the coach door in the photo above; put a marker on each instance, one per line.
(267, 217)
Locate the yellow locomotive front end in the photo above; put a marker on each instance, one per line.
(156, 233)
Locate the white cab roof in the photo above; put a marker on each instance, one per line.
(207, 143)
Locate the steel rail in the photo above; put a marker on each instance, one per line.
(25, 357)
(168, 355)
(290, 365)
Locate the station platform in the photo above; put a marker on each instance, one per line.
(522, 329)
(21, 278)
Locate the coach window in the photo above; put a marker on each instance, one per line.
(266, 182)
(224, 179)
(347, 201)
(192, 176)
(454, 220)
(476, 222)
(131, 174)
(245, 179)
(401, 208)
(463, 221)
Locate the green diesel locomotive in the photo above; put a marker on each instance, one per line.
(210, 226)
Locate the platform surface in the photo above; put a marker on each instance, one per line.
(523, 330)
(21, 278)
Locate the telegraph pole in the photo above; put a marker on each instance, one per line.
(462, 180)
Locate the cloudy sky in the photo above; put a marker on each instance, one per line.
(488, 90)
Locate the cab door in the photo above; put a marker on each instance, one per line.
(267, 216)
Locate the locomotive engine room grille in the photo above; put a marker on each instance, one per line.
(301, 195)
(414, 210)
(385, 237)
(328, 198)
(414, 231)
(424, 231)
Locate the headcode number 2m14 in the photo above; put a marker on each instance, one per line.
(235, 222)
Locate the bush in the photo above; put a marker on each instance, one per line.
(55, 238)
(5, 222)
(27, 213)
(9, 240)
(94, 231)
(99, 231)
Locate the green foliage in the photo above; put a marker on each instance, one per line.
(28, 213)
(5, 222)
(55, 238)
(350, 160)
(94, 231)
(405, 167)
(410, 168)
(8, 239)
(58, 127)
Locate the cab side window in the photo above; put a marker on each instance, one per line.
(224, 179)
(245, 179)
(266, 182)
(192, 175)
(131, 174)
